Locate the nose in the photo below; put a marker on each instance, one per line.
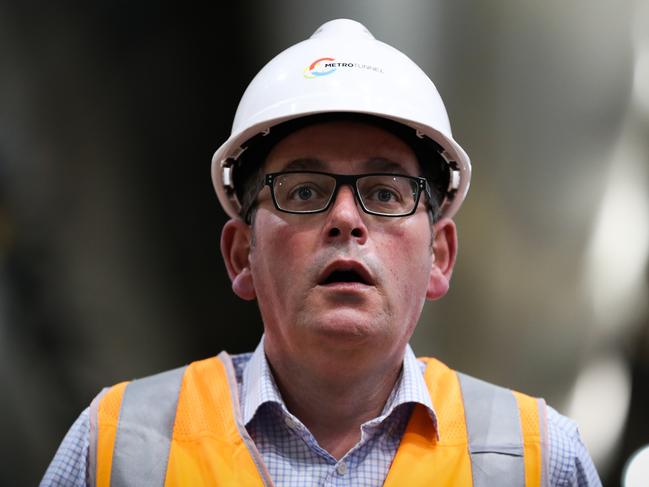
(344, 219)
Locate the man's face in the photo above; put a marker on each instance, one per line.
(342, 281)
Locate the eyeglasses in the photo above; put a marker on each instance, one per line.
(382, 194)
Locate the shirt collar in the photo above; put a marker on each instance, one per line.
(259, 387)
(410, 387)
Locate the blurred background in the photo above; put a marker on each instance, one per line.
(109, 227)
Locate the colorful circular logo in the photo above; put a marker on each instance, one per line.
(319, 68)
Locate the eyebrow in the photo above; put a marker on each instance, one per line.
(374, 164)
(306, 163)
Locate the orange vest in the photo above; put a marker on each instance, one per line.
(183, 427)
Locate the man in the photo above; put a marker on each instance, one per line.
(340, 177)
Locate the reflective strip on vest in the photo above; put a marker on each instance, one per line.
(494, 431)
(146, 422)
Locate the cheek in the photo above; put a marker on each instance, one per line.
(278, 255)
(408, 257)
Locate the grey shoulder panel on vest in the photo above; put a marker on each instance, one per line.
(494, 433)
(144, 430)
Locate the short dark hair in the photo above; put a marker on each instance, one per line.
(248, 175)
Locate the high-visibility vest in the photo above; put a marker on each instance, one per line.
(184, 427)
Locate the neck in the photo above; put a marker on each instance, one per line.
(333, 401)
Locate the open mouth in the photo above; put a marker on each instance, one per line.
(344, 276)
(346, 273)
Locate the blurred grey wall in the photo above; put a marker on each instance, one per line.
(109, 229)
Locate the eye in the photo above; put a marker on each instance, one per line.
(303, 192)
(384, 194)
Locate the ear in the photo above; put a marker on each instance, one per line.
(235, 248)
(444, 253)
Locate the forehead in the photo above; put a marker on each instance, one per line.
(342, 147)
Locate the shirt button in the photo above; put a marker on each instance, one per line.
(289, 422)
(341, 468)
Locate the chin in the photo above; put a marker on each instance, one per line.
(348, 327)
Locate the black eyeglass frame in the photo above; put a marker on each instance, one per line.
(351, 180)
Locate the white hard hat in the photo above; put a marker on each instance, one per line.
(341, 68)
